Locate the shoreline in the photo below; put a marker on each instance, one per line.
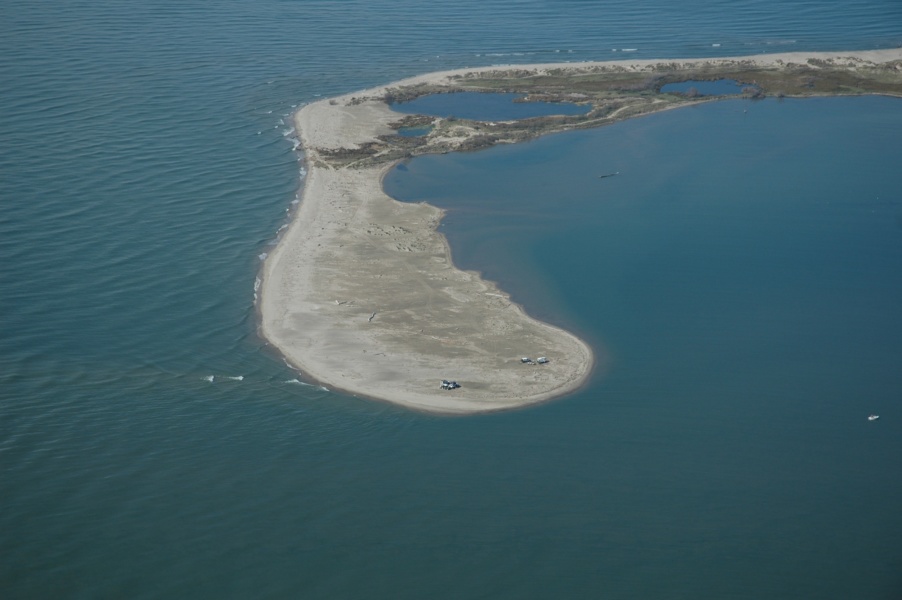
(361, 294)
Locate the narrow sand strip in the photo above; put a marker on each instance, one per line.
(361, 293)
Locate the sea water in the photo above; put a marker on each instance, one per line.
(151, 445)
(745, 294)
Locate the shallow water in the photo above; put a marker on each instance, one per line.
(147, 163)
(720, 87)
(485, 106)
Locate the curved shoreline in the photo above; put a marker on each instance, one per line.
(361, 293)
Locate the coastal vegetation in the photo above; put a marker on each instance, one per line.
(613, 91)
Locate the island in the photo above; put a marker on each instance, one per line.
(361, 294)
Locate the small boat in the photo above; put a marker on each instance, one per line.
(873, 417)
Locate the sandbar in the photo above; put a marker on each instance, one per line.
(361, 293)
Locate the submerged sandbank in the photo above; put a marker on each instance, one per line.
(361, 293)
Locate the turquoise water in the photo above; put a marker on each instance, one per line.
(147, 162)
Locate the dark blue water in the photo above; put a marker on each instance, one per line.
(486, 107)
(146, 163)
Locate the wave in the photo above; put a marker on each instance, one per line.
(498, 54)
(212, 378)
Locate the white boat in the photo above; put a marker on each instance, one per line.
(873, 417)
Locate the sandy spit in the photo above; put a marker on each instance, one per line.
(361, 293)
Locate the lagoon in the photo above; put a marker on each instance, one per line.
(485, 106)
(719, 87)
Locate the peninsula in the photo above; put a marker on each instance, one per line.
(361, 293)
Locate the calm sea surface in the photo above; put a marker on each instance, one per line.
(741, 277)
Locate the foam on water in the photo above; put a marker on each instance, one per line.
(212, 378)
